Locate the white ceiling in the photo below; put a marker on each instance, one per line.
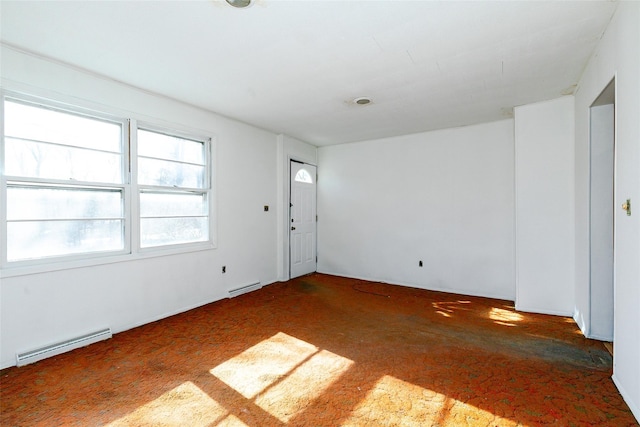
(294, 67)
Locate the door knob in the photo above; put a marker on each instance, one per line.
(293, 228)
(627, 207)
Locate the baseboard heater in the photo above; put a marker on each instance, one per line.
(62, 347)
(244, 289)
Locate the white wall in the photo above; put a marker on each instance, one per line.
(544, 140)
(443, 197)
(617, 55)
(44, 308)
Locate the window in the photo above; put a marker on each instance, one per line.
(303, 176)
(173, 187)
(64, 183)
(45, 221)
(67, 183)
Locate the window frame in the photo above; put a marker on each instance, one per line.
(207, 189)
(129, 187)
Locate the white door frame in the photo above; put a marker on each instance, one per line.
(289, 215)
(601, 299)
(288, 149)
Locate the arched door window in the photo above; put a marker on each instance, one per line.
(304, 176)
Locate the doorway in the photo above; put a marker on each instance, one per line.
(601, 214)
(302, 219)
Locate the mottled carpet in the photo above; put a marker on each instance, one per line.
(328, 351)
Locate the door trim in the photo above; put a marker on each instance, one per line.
(606, 98)
(288, 215)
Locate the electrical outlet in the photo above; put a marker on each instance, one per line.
(266, 208)
(420, 263)
(224, 268)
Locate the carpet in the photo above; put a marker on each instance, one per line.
(328, 351)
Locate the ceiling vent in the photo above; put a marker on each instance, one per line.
(240, 4)
(362, 101)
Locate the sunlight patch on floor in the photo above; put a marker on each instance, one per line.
(306, 383)
(395, 402)
(264, 364)
(231, 421)
(447, 308)
(504, 317)
(186, 404)
(282, 375)
(442, 313)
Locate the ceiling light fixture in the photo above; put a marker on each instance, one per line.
(240, 4)
(362, 101)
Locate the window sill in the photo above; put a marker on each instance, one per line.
(25, 270)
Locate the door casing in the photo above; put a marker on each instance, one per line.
(302, 220)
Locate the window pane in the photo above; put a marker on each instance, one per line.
(42, 124)
(167, 205)
(303, 176)
(39, 239)
(153, 144)
(38, 160)
(160, 172)
(169, 231)
(31, 203)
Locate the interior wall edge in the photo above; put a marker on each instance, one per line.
(626, 396)
(540, 310)
(578, 317)
(452, 291)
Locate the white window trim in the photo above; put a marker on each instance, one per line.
(132, 250)
(208, 190)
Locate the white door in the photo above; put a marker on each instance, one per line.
(302, 235)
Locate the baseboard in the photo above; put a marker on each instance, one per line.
(635, 410)
(8, 363)
(123, 328)
(251, 287)
(418, 286)
(222, 296)
(545, 311)
(63, 346)
(117, 329)
(599, 338)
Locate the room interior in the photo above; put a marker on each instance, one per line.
(473, 170)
